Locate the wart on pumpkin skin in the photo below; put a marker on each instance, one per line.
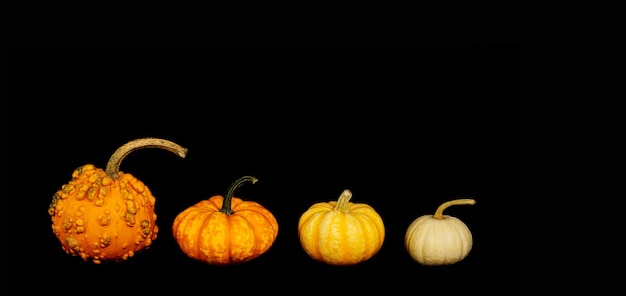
(106, 219)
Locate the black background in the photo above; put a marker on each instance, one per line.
(404, 128)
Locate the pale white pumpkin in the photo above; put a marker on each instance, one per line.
(439, 239)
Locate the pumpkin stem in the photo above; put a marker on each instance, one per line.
(463, 201)
(226, 205)
(113, 166)
(343, 201)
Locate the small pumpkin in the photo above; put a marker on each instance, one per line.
(439, 239)
(107, 215)
(341, 232)
(225, 230)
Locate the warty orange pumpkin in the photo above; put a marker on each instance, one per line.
(225, 230)
(107, 215)
(341, 232)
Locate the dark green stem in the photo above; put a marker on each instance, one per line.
(226, 208)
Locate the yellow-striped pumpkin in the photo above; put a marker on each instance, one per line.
(341, 232)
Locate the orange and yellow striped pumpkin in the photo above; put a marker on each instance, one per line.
(341, 232)
(225, 230)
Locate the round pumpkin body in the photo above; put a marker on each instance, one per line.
(207, 234)
(107, 215)
(341, 232)
(100, 218)
(439, 239)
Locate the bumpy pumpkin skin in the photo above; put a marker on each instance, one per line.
(207, 234)
(341, 232)
(100, 218)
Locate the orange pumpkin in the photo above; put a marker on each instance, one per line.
(107, 215)
(341, 232)
(225, 230)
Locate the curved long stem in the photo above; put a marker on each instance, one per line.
(226, 205)
(462, 201)
(113, 166)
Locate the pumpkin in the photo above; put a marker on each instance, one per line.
(341, 232)
(107, 215)
(439, 239)
(223, 230)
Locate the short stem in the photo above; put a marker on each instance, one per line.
(344, 201)
(463, 201)
(226, 205)
(113, 166)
